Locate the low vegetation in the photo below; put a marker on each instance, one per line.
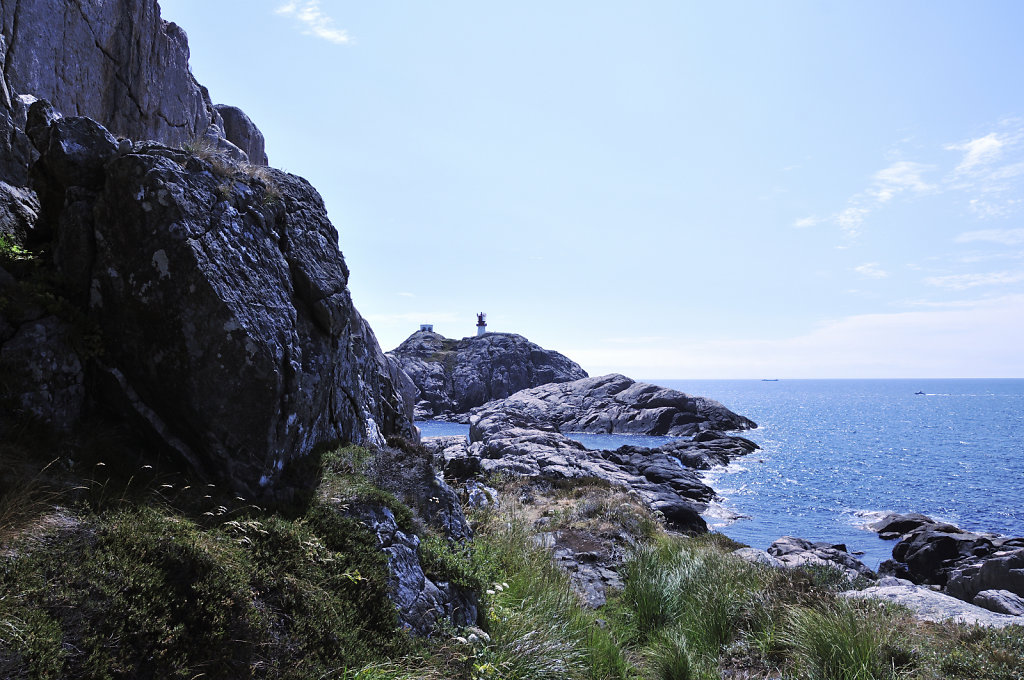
(138, 573)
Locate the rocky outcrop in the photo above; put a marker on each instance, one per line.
(421, 602)
(228, 331)
(243, 133)
(799, 552)
(970, 566)
(930, 605)
(453, 376)
(115, 61)
(667, 479)
(616, 404)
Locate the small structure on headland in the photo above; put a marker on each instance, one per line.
(481, 323)
(426, 328)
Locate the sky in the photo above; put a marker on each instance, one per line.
(659, 188)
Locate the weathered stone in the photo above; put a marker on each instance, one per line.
(755, 556)
(42, 375)
(1001, 602)
(895, 525)
(421, 603)
(115, 61)
(230, 333)
(453, 376)
(1000, 570)
(931, 605)
(243, 133)
(799, 552)
(617, 404)
(19, 208)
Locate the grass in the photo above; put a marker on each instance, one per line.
(141, 580)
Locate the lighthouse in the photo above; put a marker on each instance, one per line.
(481, 324)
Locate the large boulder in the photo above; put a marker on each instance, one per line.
(617, 404)
(229, 332)
(453, 376)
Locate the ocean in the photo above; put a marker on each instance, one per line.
(837, 454)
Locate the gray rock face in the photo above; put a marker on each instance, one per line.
(243, 133)
(42, 374)
(798, 552)
(616, 404)
(998, 571)
(1001, 602)
(229, 331)
(930, 605)
(421, 603)
(453, 376)
(115, 61)
(592, 564)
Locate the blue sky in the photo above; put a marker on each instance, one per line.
(660, 188)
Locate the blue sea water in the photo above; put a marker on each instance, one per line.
(836, 454)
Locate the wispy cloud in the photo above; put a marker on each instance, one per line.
(851, 219)
(406, 294)
(1009, 237)
(805, 222)
(314, 21)
(899, 177)
(978, 151)
(977, 338)
(872, 270)
(965, 281)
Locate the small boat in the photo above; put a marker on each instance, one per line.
(918, 392)
(769, 380)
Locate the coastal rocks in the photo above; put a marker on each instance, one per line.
(999, 571)
(931, 605)
(964, 563)
(616, 404)
(1001, 602)
(229, 333)
(116, 62)
(667, 479)
(799, 552)
(453, 376)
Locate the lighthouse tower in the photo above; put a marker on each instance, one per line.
(481, 324)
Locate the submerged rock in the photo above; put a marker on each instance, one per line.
(453, 376)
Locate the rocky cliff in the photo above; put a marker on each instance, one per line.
(115, 61)
(218, 299)
(453, 376)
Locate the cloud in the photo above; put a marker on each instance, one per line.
(978, 151)
(977, 338)
(871, 270)
(316, 23)
(1009, 237)
(899, 177)
(805, 222)
(965, 281)
(406, 295)
(851, 219)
